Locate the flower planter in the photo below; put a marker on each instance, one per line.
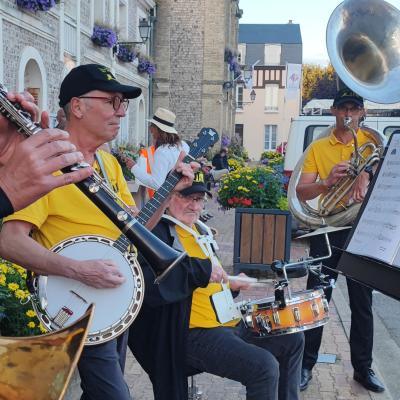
(103, 36)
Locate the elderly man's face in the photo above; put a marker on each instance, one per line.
(186, 209)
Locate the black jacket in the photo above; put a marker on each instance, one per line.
(220, 162)
(157, 338)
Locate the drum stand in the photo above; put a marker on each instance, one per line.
(281, 268)
(194, 393)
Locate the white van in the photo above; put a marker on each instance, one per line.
(305, 128)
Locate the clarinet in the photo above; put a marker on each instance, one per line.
(159, 255)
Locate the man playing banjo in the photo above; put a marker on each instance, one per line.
(93, 102)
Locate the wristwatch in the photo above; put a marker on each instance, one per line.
(369, 171)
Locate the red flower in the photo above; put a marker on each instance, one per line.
(230, 201)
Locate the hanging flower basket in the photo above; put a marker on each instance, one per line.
(36, 5)
(104, 36)
(125, 53)
(230, 57)
(146, 65)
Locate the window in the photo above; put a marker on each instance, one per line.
(239, 133)
(312, 132)
(99, 10)
(123, 19)
(271, 98)
(270, 137)
(272, 54)
(239, 97)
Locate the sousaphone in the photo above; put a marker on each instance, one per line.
(40, 367)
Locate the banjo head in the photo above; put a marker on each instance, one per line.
(60, 301)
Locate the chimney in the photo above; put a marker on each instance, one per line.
(290, 21)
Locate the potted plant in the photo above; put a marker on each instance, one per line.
(36, 5)
(103, 36)
(247, 187)
(145, 65)
(125, 53)
(17, 318)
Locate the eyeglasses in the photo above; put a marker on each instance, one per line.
(353, 109)
(191, 199)
(116, 101)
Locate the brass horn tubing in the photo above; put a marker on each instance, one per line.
(340, 190)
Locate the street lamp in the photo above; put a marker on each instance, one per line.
(144, 32)
(252, 98)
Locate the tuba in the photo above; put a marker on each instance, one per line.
(40, 367)
(366, 57)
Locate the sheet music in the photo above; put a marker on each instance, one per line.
(377, 234)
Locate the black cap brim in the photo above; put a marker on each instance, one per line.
(195, 189)
(129, 92)
(348, 100)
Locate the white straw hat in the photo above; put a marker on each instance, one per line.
(164, 119)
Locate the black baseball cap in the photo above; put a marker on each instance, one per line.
(198, 185)
(346, 95)
(88, 77)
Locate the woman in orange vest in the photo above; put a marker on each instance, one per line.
(152, 171)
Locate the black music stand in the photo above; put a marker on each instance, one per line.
(370, 270)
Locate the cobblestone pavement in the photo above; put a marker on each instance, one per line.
(330, 381)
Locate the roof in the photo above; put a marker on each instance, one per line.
(316, 106)
(270, 33)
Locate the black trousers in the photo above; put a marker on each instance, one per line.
(360, 296)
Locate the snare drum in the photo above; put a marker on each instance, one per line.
(304, 310)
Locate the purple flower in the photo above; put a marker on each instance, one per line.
(146, 66)
(103, 37)
(225, 141)
(125, 54)
(36, 5)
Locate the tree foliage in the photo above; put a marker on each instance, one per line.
(318, 82)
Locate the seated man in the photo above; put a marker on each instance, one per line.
(169, 348)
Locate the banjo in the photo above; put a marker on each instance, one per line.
(60, 301)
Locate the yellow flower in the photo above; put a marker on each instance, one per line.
(20, 294)
(30, 313)
(42, 328)
(13, 286)
(254, 181)
(31, 324)
(3, 268)
(2, 280)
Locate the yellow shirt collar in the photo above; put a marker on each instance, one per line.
(334, 140)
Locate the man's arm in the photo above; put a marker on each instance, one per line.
(309, 188)
(17, 246)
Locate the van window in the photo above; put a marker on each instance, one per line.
(389, 130)
(312, 132)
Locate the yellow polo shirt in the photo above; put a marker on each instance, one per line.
(66, 211)
(325, 153)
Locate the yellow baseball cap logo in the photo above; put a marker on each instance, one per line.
(198, 177)
(107, 73)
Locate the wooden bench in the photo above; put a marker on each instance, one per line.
(261, 237)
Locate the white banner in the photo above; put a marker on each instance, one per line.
(293, 80)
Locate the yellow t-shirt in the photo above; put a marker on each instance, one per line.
(66, 211)
(325, 153)
(202, 313)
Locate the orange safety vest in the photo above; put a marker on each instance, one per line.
(149, 155)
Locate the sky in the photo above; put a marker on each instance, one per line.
(312, 15)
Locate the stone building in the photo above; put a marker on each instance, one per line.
(192, 78)
(37, 49)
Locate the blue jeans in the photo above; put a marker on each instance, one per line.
(269, 367)
(101, 369)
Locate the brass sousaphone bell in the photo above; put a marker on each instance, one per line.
(40, 367)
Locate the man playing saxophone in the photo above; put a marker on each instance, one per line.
(326, 162)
